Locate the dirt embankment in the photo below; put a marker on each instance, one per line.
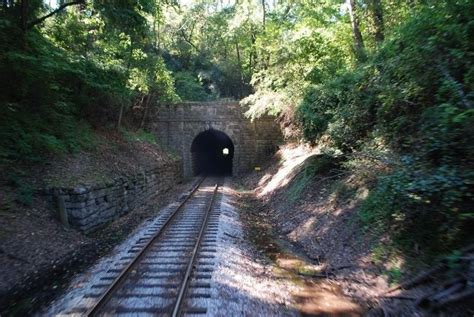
(37, 254)
(304, 214)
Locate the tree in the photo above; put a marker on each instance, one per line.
(356, 33)
(377, 17)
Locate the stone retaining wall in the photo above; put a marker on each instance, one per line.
(88, 208)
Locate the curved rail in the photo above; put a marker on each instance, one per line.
(117, 282)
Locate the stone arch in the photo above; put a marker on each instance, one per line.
(212, 153)
(177, 125)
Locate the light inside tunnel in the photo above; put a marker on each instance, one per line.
(212, 153)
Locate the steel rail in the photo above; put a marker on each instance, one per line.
(117, 282)
(185, 283)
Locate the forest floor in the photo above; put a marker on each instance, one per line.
(37, 254)
(309, 228)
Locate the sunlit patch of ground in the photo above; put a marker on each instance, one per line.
(324, 299)
(315, 295)
(291, 157)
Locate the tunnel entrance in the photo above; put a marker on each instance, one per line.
(212, 152)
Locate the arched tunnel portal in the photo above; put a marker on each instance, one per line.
(194, 130)
(212, 153)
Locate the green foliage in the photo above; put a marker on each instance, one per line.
(395, 275)
(416, 94)
(421, 205)
(189, 88)
(76, 69)
(211, 48)
(38, 116)
(340, 108)
(302, 45)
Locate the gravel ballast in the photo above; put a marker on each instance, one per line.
(242, 283)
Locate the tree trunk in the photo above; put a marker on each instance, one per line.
(264, 13)
(145, 112)
(120, 116)
(253, 53)
(251, 61)
(29, 25)
(119, 122)
(24, 15)
(377, 15)
(240, 68)
(358, 41)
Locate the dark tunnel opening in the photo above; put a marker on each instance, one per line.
(212, 152)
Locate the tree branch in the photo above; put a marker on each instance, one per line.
(59, 9)
(183, 35)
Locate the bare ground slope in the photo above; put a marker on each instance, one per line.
(317, 235)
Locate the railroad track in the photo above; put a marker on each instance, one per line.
(167, 273)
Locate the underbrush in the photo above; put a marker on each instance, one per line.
(45, 94)
(58, 86)
(409, 210)
(423, 209)
(31, 138)
(414, 97)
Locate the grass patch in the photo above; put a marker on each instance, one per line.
(70, 180)
(307, 271)
(139, 136)
(379, 254)
(394, 275)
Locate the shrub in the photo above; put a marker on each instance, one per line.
(427, 206)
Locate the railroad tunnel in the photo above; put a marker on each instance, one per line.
(212, 153)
